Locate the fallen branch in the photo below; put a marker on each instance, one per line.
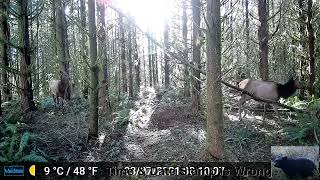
(264, 100)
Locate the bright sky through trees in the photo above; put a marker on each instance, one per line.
(149, 14)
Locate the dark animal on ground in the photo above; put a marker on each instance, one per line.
(295, 167)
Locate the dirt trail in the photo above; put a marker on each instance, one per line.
(158, 133)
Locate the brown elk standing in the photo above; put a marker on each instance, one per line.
(267, 90)
(58, 89)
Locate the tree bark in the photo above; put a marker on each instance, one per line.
(263, 39)
(196, 57)
(311, 38)
(150, 61)
(102, 50)
(136, 62)
(185, 51)
(123, 56)
(214, 93)
(84, 48)
(154, 75)
(130, 61)
(26, 92)
(166, 57)
(93, 126)
(4, 48)
(302, 20)
(247, 34)
(62, 46)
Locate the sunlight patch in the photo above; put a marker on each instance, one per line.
(233, 117)
(101, 138)
(135, 149)
(90, 158)
(198, 134)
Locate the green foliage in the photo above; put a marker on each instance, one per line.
(126, 102)
(294, 101)
(123, 112)
(243, 136)
(307, 127)
(33, 157)
(12, 111)
(14, 143)
(171, 97)
(14, 148)
(46, 103)
(123, 117)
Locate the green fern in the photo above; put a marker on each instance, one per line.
(306, 125)
(3, 159)
(13, 142)
(33, 157)
(23, 144)
(11, 128)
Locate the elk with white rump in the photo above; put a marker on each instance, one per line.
(58, 89)
(268, 90)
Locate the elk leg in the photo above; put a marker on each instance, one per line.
(62, 106)
(242, 100)
(264, 112)
(275, 108)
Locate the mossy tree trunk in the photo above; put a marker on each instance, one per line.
(263, 39)
(93, 126)
(62, 46)
(214, 93)
(196, 56)
(26, 91)
(185, 51)
(5, 37)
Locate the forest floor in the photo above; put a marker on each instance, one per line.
(161, 127)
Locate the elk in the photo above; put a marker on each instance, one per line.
(58, 89)
(267, 90)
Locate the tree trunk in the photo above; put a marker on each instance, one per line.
(84, 48)
(302, 20)
(196, 57)
(144, 69)
(156, 67)
(153, 57)
(311, 38)
(102, 50)
(93, 126)
(263, 39)
(123, 56)
(62, 46)
(247, 51)
(214, 94)
(185, 51)
(130, 61)
(136, 62)
(150, 61)
(27, 103)
(166, 57)
(4, 49)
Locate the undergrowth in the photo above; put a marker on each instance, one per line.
(123, 110)
(15, 141)
(307, 129)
